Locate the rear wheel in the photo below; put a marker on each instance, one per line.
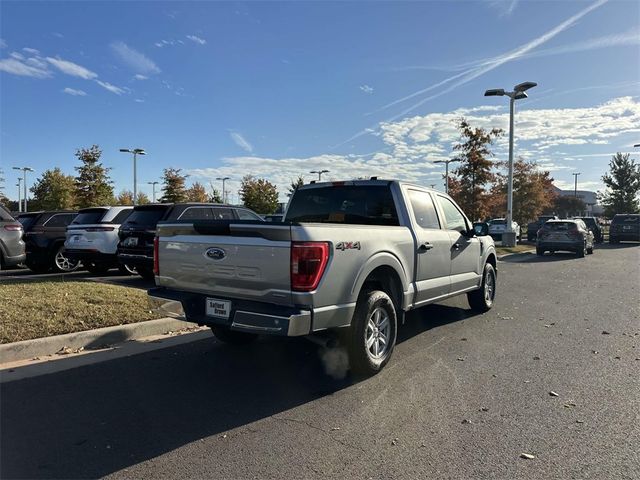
(37, 267)
(127, 270)
(62, 263)
(145, 273)
(96, 268)
(225, 335)
(372, 336)
(481, 300)
(582, 251)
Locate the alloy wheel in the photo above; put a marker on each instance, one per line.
(377, 333)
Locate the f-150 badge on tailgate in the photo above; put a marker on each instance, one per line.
(348, 246)
(215, 253)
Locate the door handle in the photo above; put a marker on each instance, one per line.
(456, 246)
(425, 246)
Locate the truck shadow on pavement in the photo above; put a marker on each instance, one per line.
(98, 419)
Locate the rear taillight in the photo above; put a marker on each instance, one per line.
(13, 228)
(308, 262)
(156, 260)
(99, 229)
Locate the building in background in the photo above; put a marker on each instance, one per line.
(589, 198)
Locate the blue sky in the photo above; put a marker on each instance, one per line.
(279, 89)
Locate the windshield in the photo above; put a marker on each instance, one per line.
(88, 217)
(147, 217)
(559, 226)
(352, 204)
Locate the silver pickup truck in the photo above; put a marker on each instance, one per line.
(352, 256)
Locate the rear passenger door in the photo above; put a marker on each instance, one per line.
(464, 251)
(432, 249)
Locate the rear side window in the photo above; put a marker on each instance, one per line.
(121, 217)
(348, 204)
(147, 217)
(453, 216)
(27, 221)
(247, 215)
(59, 220)
(559, 226)
(424, 211)
(197, 213)
(4, 215)
(223, 214)
(89, 217)
(626, 219)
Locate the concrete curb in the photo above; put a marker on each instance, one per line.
(91, 339)
(504, 255)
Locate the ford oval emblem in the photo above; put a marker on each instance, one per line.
(215, 253)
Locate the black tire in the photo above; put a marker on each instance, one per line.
(481, 300)
(38, 267)
(373, 309)
(96, 268)
(225, 335)
(539, 252)
(590, 251)
(582, 251)
(613, 240)
(127, 270)
(61, 263)
(145, 273)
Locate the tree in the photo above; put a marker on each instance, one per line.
(125, 197)
(622, 184)
(474, 171)
(3, 198)
(259, 195)
(533, 192)
(93, 185)
(54, 191)
(197, 193)
(566, 206)
(173, 186)
(295, 184)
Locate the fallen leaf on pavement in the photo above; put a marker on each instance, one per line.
(604, 332)
(394, 441)
(333, 429)
(553, 394)
(460, 359)
(536, 358)
(465, 421)
(528, 456)
(64, 351)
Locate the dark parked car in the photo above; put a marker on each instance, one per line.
(593, 225)
(566, 235)
(138, 231)
(533, 227)
(12, 250)
(44, 235)
(625, 226)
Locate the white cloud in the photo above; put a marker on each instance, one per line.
(505, 7)
(17, 56)
(137, 61)
(71, 68)
(139, 100)
(111, 88)
(17, 67)
(241, 142)
(57, 34)
(74, 92)
(138, 76)
(198, 40)
(32, 51)
(366, 89)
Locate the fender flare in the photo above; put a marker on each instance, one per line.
(380, 259)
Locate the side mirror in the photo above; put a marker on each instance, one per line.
(470, 233)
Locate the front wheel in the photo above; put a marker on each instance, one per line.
(225, 335)
(64, 264)
(372, 336)
(481, 300)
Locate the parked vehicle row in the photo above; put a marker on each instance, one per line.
(12, 251)
(625, 227)
(498, 226)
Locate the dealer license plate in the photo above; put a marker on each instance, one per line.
(218, 308)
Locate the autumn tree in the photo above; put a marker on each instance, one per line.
(475, 168)
(125, 197)
(93, 185)
(622, 184)
(533, 192)
(197, 193)
(295, 184)
(3, 198)
(54, 191)
(259, 195)
(173, 187)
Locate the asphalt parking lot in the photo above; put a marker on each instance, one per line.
(463, 397)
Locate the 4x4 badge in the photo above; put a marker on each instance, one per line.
(348, 246)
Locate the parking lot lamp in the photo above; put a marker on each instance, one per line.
(319, 172)
(446, 170)
(24, 179)
(153, 186)
(135, 152)
(575, 188)
(224, 192)
(519, 92)
(19, 185)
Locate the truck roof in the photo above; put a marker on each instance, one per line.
(363, 182)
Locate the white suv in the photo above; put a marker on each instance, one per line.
(92, 238)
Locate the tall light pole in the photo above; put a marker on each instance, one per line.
(153, 184)
(19, 184)
(575, 188)
(509, 236)
(446, 170)
(24, 179)
(319, 172)
(224, 192)
(136, 152)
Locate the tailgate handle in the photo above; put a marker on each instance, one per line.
(425, 246)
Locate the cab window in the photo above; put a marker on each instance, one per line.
(424, 211)
(453, 217)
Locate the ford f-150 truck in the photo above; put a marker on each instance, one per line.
(350, 256)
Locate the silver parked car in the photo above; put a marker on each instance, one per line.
(498, 226)
(567, 235)
(12, 250)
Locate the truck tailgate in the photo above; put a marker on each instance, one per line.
(244, 260)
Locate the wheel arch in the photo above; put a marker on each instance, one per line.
(385, 276)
